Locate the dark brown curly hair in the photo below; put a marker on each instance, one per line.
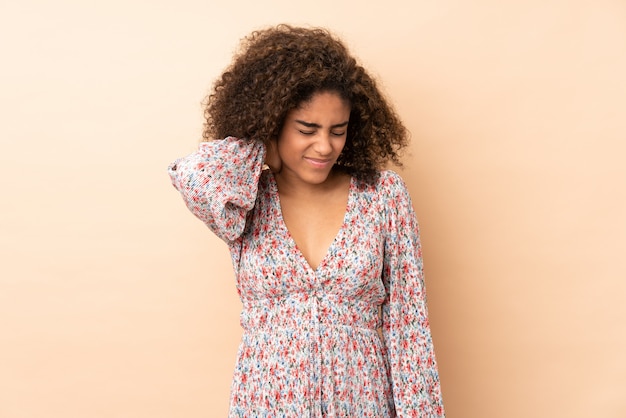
(279, 68)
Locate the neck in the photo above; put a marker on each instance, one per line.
(289, 186)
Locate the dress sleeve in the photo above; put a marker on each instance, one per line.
(219, 183)
(406, 331)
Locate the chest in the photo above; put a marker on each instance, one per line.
(314, 225)
(273, 263)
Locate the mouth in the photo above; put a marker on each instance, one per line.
(319, 162)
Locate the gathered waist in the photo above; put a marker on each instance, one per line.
(307, 312)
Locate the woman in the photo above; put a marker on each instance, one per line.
(324, 243)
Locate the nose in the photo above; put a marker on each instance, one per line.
(323, 145)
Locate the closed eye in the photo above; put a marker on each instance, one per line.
(306, 132)
(339, 133)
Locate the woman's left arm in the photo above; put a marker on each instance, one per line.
(406, 331)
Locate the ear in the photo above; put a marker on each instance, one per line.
(272, 158)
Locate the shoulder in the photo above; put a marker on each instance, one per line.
(386, 190)
(389, 184)
(389, 178)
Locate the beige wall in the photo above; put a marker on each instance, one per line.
(116, 302)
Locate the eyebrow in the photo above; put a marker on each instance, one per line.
(316, 125)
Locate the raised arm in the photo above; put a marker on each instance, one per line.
(219, 183)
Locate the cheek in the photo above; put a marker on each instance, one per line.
(281, 141)
(287, 146)
(341, 145)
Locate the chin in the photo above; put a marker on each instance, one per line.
(315, 178)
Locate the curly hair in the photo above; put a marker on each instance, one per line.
(279, 68)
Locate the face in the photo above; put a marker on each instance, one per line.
(312, 138)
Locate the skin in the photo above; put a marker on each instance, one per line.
(313, 194)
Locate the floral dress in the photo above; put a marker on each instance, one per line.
(311, 346)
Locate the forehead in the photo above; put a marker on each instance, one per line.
(323, 103)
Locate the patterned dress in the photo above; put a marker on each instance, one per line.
(311, 346)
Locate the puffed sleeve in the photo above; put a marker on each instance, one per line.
(219, 183)
(406, 331)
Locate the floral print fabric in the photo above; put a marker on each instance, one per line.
(311, 346)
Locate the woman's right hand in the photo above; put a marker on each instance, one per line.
(272, 159)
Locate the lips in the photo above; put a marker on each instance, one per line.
(319, 162)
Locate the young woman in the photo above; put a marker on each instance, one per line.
(324, 242)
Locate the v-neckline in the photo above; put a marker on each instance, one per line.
(294, 245)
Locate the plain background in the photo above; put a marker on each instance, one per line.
(116, 302)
